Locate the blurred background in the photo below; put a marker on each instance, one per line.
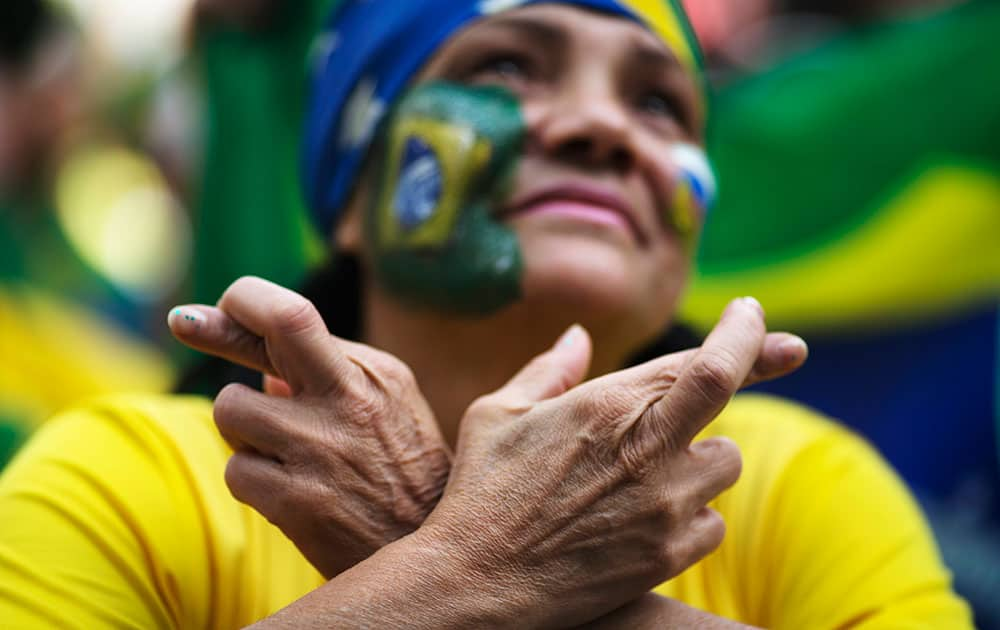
(149, 155)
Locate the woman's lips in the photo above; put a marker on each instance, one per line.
(582, 211)
(580, 204)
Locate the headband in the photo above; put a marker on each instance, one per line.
(370, 51)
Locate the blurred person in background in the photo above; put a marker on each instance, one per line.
(61, 337)
(858, 146)
(545, 167)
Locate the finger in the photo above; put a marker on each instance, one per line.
(255, 481)
(298, 343)
(709, 380)
(210, 330)
(702, 535)
(248, 419)
(554, 372)
(644, 384)
(714, 465)
(274, 386)
(782, 354)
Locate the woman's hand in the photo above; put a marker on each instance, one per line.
(566, 503)
(350, 457)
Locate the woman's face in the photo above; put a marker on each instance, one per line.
(604, 100)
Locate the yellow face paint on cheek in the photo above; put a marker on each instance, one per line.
(695, 191)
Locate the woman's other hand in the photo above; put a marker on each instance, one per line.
(568, 501)
(348, 457)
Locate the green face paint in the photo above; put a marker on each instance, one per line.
(445, 162)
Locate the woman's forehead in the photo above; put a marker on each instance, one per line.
(560, 26)
(562, 21)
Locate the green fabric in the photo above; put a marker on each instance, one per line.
(809, 150)
(34, 249)
(12, 435)
(11, 253)
(251, 215)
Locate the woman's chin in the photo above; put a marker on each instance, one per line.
(592, 283)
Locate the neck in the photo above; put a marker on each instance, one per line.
(458, 359)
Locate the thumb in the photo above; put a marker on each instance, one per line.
(555, 372)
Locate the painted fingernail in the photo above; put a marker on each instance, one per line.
(754, 303)
(570, 337)
(794, 350)
(185, 320)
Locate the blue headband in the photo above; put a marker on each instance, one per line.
(368, 54)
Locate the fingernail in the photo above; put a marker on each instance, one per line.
(754, 303)
(185, 320)
(570, 337)
(794, 350)
(707, 446)
(701, 447)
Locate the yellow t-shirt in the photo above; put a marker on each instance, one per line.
(117, 515)
(55, 352)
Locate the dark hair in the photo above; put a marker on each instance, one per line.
(24, 24)
(335, 290)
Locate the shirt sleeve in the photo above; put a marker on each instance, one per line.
(847, 547)
(103, 523)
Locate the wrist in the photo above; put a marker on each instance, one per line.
(414, 582)
(656, 613)
(457, 583)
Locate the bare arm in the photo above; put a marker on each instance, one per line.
(653, 612)
(410, 583)
(406, 586)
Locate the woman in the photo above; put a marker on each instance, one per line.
(533, 166)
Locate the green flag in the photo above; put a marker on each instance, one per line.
(251, 215)
(864, 174)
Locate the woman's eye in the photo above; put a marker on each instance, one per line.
(663, 109)
(506, 68)
(658, 104)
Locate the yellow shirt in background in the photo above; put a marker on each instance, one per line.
(117, 515)
(55, 352)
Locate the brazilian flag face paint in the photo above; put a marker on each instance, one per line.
(370, 52)
(445, 162)
(695, 192)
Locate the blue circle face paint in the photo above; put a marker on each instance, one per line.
(420, 184)
(445, 160)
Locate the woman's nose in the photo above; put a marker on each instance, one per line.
(583, 124)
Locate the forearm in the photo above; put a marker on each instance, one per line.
(651, 612)
(417, 585)
(410, 583)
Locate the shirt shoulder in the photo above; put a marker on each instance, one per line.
(117, 513)
(821, 532)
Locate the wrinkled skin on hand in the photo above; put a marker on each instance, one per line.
(349, 457)
(568, 504)
(565, 499)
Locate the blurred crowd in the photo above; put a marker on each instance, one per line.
(857, 144)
